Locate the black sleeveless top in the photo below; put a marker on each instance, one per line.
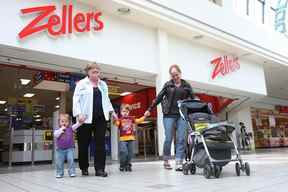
(97, 104)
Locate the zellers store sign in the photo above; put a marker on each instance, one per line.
(57, 25)
(224, 65)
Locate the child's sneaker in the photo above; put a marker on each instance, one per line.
(179, 166)
(73, 175)
(59, 176)
(129, 168)
(122, 169)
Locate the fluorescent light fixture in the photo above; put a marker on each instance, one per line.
(57, 106)
(37, 116)
(57, 98)
(29, 95)
(25, 81)
(38, 120)
(3, 102)
(125, 93)
(124, 10)
(198, 37)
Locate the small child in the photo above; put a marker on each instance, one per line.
(126, 126)
(64, 139)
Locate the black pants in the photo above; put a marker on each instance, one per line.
(84, 133)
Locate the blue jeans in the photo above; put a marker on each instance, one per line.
(180, 125)
(60, 156)
(126, 153)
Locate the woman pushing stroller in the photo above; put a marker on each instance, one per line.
(173, 91)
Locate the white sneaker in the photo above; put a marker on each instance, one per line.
(59, 176)
(179, 166)
(73, 175)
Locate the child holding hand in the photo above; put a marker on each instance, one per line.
(126, 125)
(64, 138)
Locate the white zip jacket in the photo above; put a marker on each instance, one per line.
(83, 99)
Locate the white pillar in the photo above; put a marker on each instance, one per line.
(162, 77)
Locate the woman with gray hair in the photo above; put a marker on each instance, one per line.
(92, 107)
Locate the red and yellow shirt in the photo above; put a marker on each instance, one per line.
(126, 127)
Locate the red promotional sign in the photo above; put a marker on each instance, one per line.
(224, 65)
(282, 109)
(139, 102)
(60, 25)
(218, 103)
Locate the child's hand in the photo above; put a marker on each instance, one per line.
(63, 129)
(147, 114)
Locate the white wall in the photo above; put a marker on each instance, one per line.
(224, 22)
(121, 43)
(194, 60)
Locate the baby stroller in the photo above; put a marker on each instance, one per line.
(209, 143)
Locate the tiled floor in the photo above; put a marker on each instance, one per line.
(269, 174)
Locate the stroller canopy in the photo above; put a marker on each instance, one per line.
(187, 107)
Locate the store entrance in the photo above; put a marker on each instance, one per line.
(26, 117)
(31, 100)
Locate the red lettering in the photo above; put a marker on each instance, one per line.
(79, 19)
(54, 20)
(100, 24)
(224, 65)
(70, 19)
(217, 69)
(32, 27)
(88, 21)
(60, 25)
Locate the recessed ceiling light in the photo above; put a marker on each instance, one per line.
(29, 95)
(196, 37)
(57, 98)
(57, 106)
(6, 109)
(125, 93)
(25, 81)
(124, 10)
(37, 116)
(3, 102)
(38, 120)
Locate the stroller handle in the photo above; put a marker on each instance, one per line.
(180, 102)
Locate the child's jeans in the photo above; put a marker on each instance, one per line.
(126, 153)
(60, 156)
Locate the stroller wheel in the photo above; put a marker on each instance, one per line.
(238, 169)
(185, 168)
(247, 169)
(207, 171)
(193, 169)
(217, 171)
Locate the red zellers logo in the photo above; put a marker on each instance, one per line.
(224, 65)
(57, 25)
